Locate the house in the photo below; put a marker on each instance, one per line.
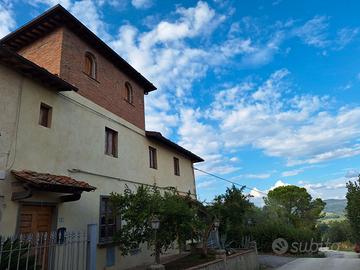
(72, 130)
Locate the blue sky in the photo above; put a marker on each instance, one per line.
(266, 91)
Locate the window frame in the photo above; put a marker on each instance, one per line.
(114, 142)
(48, 109)
(153, 158)
(176, 166)
(116, 221)
(129, 93)
(92, 72)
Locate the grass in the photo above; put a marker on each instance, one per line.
(345, 246)
(188, 261)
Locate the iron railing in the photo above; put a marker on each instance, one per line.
(44, 251)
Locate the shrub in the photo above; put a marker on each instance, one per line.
(264, 234)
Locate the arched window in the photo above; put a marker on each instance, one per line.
(129, 93)
(90, 65)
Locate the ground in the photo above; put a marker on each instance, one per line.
(334, 260)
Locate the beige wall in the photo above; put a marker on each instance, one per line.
(76, 141)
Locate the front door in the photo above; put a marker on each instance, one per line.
(36, 219)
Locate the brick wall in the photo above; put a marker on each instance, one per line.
(63, 53)
(46, 51)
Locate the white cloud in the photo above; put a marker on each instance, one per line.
(277, 184)
(206, 184)
(330, 189)
(314, 32)
(64, 3)
(291, 173)
(87, 11)
(257, 176)
(353, 173)
(345, 36)
(298, 128)
(141, 4)
(7, 19)
(256, 193)
(91, 17)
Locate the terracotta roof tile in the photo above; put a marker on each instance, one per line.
(56, 181)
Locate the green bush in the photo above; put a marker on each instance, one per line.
(338, 231)
(16, 253)
(264, 234)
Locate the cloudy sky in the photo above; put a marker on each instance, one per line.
(266, 91)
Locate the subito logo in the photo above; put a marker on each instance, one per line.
(280, 246)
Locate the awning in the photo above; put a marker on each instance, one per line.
(51, 183)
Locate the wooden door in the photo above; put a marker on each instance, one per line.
(35, 219)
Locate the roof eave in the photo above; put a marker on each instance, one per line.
(27, 68)
(157, 136)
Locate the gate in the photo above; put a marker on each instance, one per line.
(54, 251)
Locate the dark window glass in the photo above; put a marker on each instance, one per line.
(111, 142)
(107, 220)
(152, 157)
(129, 93)
(176, 166)
(45, 115)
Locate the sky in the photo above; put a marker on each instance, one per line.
(267, 92)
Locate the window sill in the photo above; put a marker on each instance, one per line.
(111, 156)
(91, 78)
(132, 104)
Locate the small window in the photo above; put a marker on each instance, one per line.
(111, 142)
(90, 65)
(45, 115)
(129, 93)
(176, 166)
(153, 157)
(107, 221)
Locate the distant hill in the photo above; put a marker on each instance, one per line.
(335, 206)
(334, 210)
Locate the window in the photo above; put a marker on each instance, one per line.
(111, 139)
(153, 157)
(107, 220)
(129, 93)
(176, 166)
(90, 65)
(45, 115)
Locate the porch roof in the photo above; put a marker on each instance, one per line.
(53, 183)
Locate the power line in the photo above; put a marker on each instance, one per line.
(231, 182)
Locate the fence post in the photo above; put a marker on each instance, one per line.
(91, 249)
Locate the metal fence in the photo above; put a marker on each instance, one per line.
(45, 251)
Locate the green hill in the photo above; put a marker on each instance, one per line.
(334, 210)
(335, 206)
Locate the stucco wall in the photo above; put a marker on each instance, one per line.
(76, 141)
(10, 88)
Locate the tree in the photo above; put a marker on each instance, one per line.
(295, 206)
(230, 208)
(338, 231)
(353, 209)
(136, 210)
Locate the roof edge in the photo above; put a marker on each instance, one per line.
(31, 70)
(160, 138)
